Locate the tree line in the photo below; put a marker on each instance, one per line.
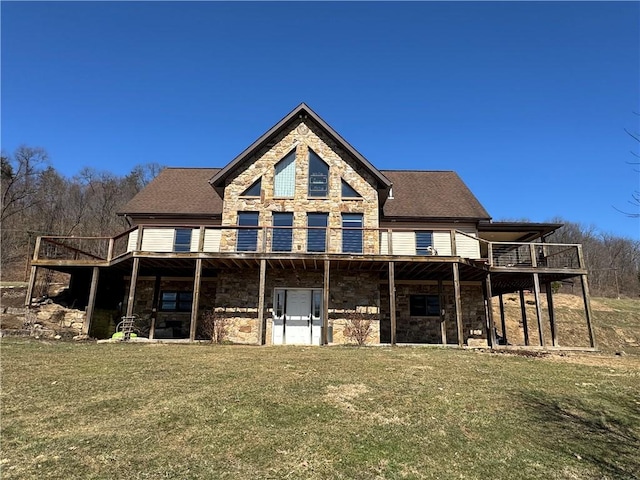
(38, 200)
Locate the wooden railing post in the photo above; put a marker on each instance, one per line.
(389, 241)
(454, 248)
(36, 249)
(110, 249)
(201, 239)
(490, 253)
(139, 239)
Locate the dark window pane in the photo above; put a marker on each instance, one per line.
(282, 237)
(352, 233)
(424, 243)
(316, 237)
(318, 176)
(247, 237)
(176, 301)
(182, 242)
(424, 305)
(348, 191)
(253, 190)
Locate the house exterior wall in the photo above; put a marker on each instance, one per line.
(428, 329)
(302, 137)
(351, 293)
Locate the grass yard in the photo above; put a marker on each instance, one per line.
(200, 411)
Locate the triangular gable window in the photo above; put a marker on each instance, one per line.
(348, 191)
(254, 189)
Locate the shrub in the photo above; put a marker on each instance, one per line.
(214, 327)
(357, 329)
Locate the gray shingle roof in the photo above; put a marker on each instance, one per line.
(416, 194)
(177, 191)
(429, 194)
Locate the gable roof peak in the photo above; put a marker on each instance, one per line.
(218, 180)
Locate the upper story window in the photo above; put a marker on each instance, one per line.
(285, 177)
(351, 233)
(318, 176)
(247, 237)
(317, 232)
(424, 243)
(254, 189)
(182, 240)
(348, 191)
(282, 233)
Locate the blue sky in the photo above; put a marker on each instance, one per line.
(528, 102)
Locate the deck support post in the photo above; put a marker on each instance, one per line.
(95, 274)
(392, 302)
(132, 285)
(536, 293)
(443, 325)
(31, 286)
(325, 304)
(503, 321)
(458, 303)
(587, 309)
(523, 312)
(261, 288)
(156, 306)
(552, 315)
(492, 328)
(195, 304)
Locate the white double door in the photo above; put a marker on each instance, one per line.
(297, 317)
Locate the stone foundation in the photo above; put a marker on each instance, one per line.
(428, 329)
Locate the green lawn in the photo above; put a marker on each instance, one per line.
(200, 411)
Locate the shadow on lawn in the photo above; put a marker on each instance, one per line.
(605, 432)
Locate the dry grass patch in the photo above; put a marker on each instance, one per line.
(199, 412)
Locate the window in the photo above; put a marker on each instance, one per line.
(317, 232)
(424, 243)
(348, 191)
(318, 176)
(182, 240)
(282, 237)
(176, 301)
(352, 233)
(254, 189)
(285, 180)
(424, 305)
(316, 304)
(247, 237)
(278, 304)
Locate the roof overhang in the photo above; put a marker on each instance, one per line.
(515, 231)
(302, 111)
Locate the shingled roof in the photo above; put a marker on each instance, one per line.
(416, 194)
(177, 191)
(429, 194)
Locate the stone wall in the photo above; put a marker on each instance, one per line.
(429, 329)
(301, 137)
(351, 293)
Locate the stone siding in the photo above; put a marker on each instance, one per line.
(428, 329)
(302, 137)
(355, 293)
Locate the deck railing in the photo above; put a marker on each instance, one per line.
(189, 239)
